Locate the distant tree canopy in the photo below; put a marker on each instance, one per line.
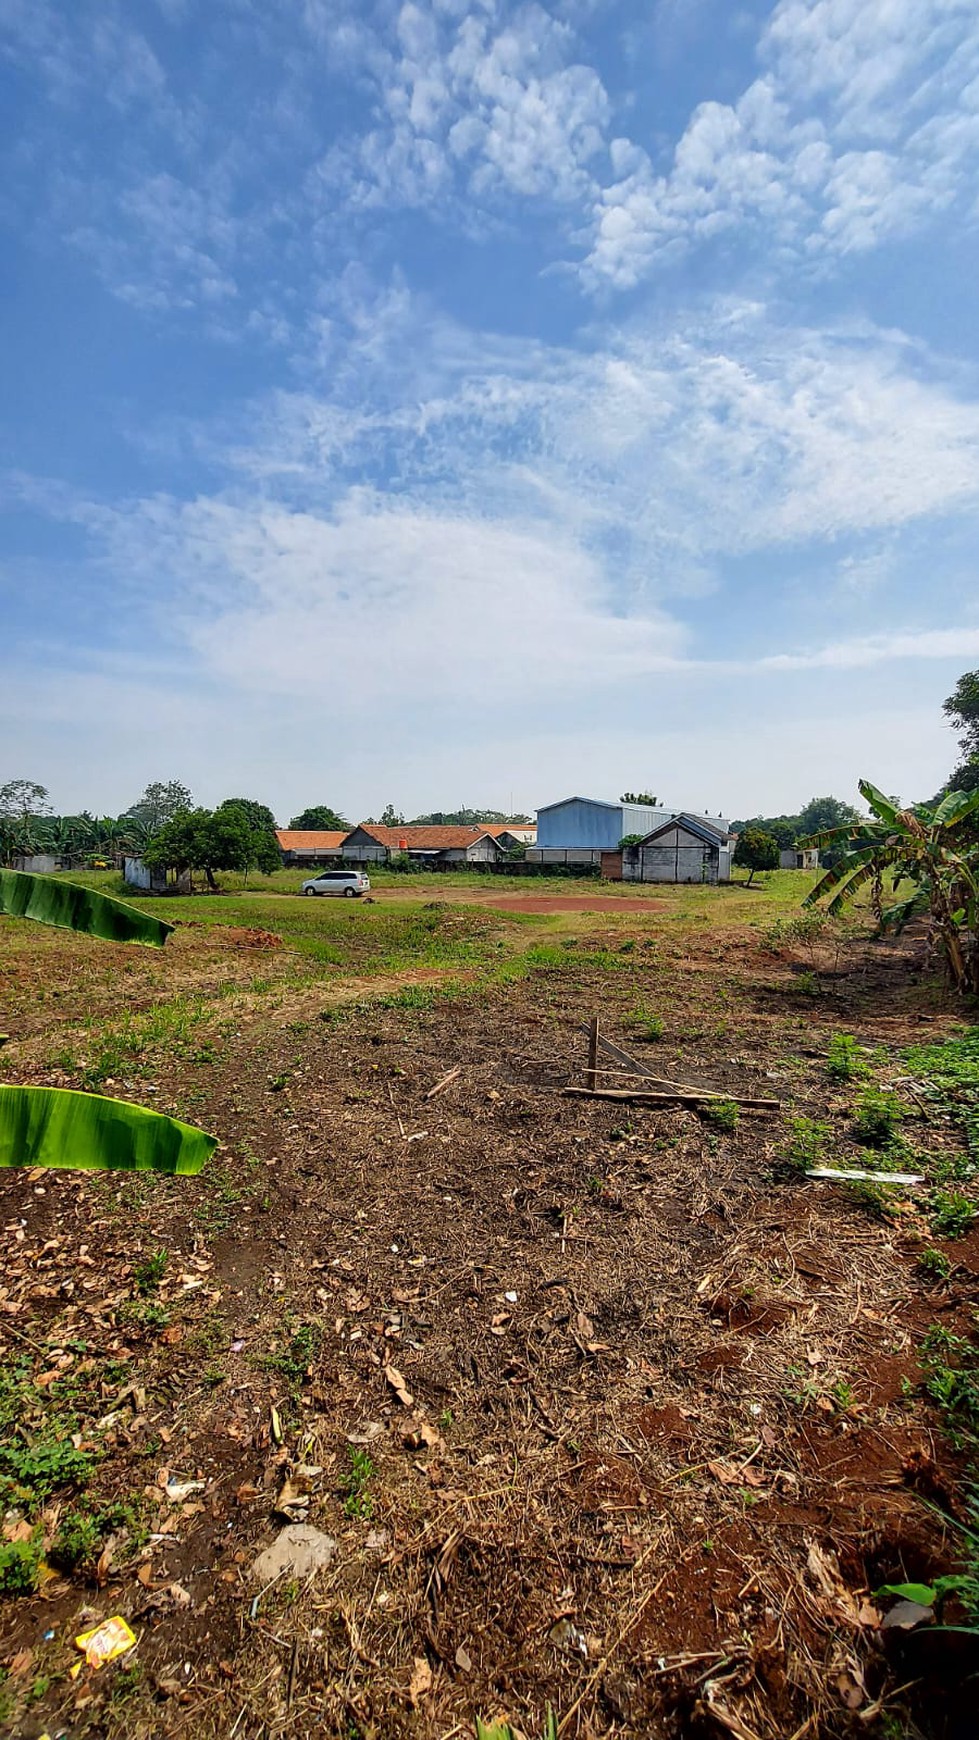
(257, 815)
(319, 818)
(160, 802)
(390, 817)
(20, 798)
(962, 711)
(756, 850)
(815, 817)
(638, 797)
(210, 840)
(466, 818)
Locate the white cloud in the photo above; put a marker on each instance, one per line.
(487, 97)
(864, 124)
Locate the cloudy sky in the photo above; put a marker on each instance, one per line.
(464, 401)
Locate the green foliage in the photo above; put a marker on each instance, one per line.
(952, 1214)
(40, 1467)
(390, 817)
(639, 797)
(845, 1060)
(755, 850)
(935, 1264)
(466, 818)
(296, 1358)
(258, 816)
(211, 840)
(808, 1143)
(723, 1114)
(160, 802)
(924, 850)
(950, 1364)
(962, 710)
(88, 1133)
(948, 1074)
(19, 1565)
(319, 818)
(356, 1483)
(150, 1272)
(70, 907)
(877, 1117)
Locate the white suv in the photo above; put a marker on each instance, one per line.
(348, 882)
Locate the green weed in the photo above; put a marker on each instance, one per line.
(150, 1272)
(845, 1060)
(356, 1483)
(935, 1264)
(808, 1143)
(952, 1214)
(19, 1565)
(877, 1117)
(295, 1359)
(723, 1114)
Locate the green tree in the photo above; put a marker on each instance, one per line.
(212, 840)
(25, 827)
(755, 850)
(928, 848)
(319, 818)
(821, 814)
(962, 709)
(783, 829)
(257, 815)
(638, 797)
(160, 802)
(390, 817)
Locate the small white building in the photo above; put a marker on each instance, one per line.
(799, 858)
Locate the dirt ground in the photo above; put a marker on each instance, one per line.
(603, 1410)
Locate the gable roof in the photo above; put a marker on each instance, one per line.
(495, 829)
(433, 838)
(310, 839)
(701, 830)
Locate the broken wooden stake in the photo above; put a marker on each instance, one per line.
(591, 1072)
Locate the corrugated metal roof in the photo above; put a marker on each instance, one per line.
(701, 830)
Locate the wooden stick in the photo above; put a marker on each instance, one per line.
(591, 1073)
(450, 1075)
(693, 1096)
(635, 1067)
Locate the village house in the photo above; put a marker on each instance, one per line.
(312, 846)
(684, 849)
(438, 847)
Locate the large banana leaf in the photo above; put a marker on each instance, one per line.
(74, 908)
(881, 806)
(955, 805)
(42, 1126)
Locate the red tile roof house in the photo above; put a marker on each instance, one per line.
(440, 847)
(310, 846)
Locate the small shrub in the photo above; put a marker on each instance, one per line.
(723, 1114)
(952, 1214)
(877, 1117)
(19, 1563)
(807, 1147)
(935, 1264)
(845, 1061)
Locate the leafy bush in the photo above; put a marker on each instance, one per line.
(877, 1117)
(952, 1214)
(19, 1564)
(845, 1060)
(807, 1146)
(723, 1114)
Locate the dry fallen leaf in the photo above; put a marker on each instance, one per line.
(399, 1386)
(420, 1682)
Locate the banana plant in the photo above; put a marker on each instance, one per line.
(41, 1126)
(931, 850)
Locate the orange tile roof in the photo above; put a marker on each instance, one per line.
(310, 839)
(497, 828)
(432, 838)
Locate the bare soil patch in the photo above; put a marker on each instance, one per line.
(602, 1411)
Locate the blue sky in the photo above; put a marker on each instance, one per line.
(460, 401)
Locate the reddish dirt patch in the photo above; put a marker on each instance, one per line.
(572, 903)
